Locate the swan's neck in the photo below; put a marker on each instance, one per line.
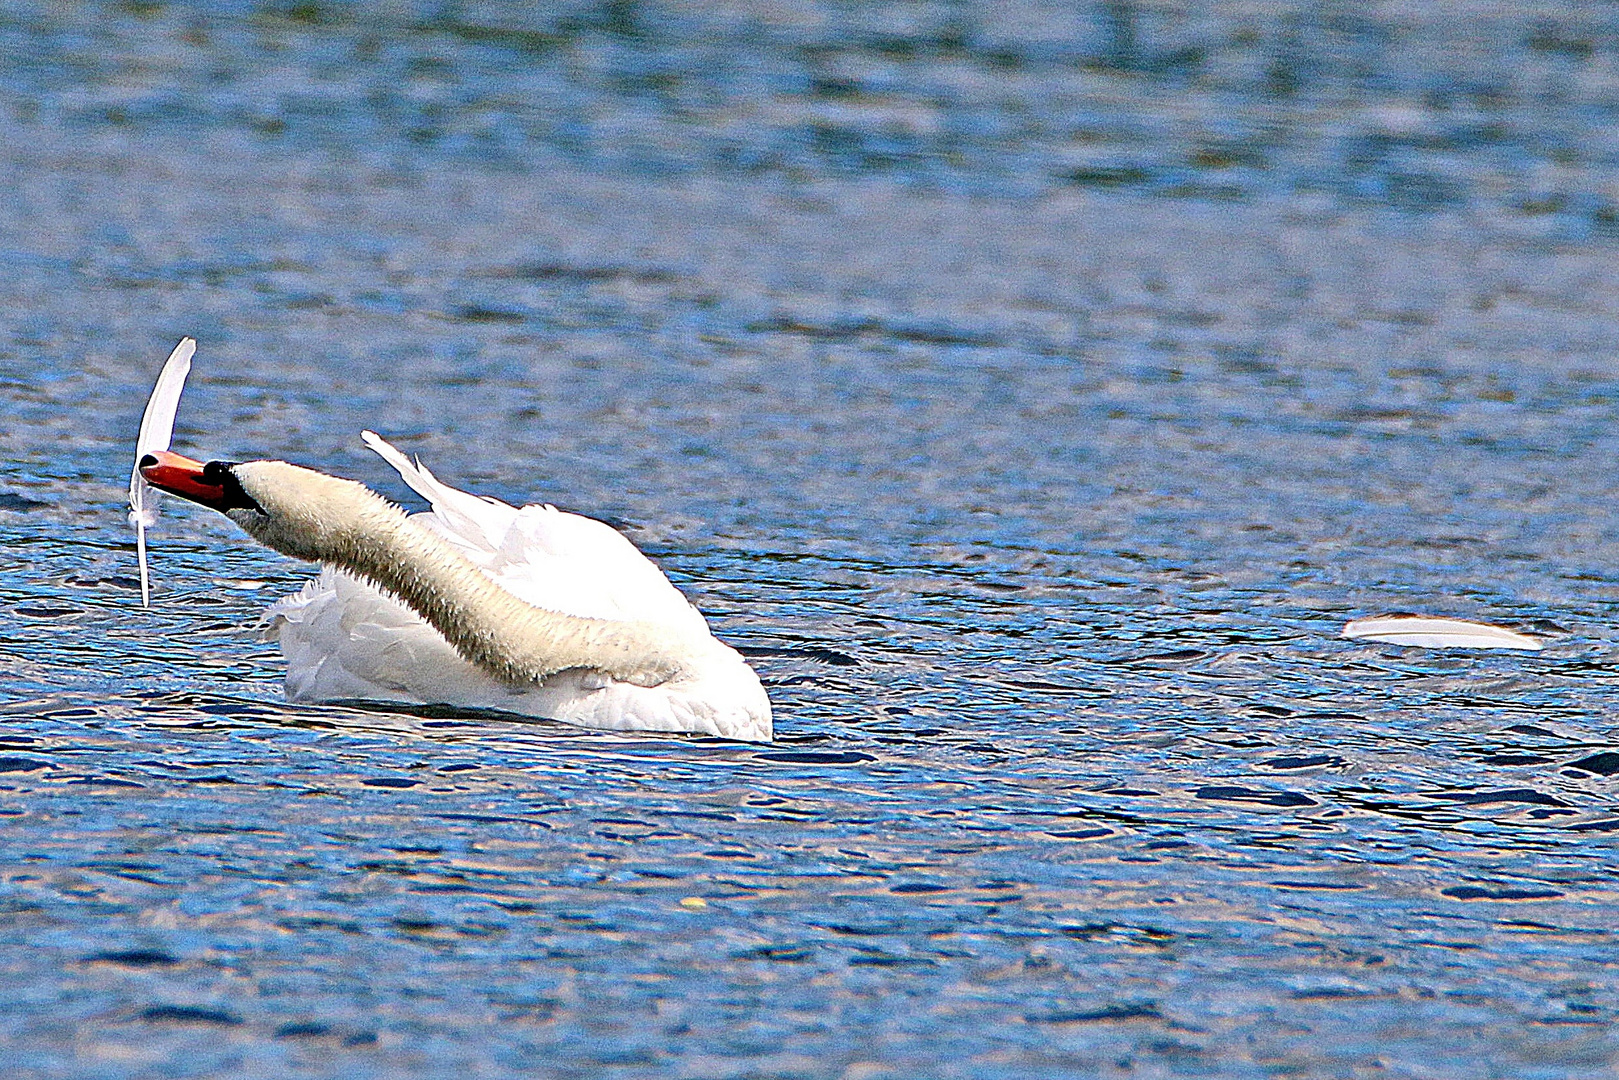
(320, 518)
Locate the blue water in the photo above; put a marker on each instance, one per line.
(1031, 393)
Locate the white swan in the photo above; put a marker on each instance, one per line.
(528, 610)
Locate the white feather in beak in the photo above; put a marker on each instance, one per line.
(157, 428)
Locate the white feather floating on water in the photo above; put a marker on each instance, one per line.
(1437, 633)
(157, 428)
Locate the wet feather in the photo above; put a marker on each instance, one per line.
(1437, 633)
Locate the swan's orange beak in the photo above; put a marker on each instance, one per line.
(181, 476)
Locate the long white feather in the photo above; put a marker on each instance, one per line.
(157, 429)
(1437, 633)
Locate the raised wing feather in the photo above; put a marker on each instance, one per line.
(552, 559)
(475, 521)
(1437, 633)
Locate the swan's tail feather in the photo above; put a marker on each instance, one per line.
(468, 515)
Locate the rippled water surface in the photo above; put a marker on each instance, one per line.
(1031, 393)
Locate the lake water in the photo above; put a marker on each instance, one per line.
(1031, 392)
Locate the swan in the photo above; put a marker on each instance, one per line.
(474, 603)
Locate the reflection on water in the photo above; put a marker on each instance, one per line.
(1031, 394)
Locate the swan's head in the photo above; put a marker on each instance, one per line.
(296, 511)
(212, 484)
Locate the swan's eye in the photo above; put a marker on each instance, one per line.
(232, 496)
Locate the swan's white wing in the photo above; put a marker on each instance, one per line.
(1437, 633)
(472, 520)
(574, 564)
(552, 559)
(157, 429)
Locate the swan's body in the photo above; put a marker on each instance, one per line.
(477, 603)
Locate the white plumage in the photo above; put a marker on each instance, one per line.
(344, 639)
